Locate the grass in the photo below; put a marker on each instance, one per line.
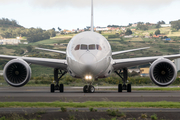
(51, 41)
(160, 104)
(154, 117)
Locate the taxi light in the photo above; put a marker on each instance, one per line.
(88, 77)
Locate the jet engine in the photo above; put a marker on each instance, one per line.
(163, 72)
(17, 72)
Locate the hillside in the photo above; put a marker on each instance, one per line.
(6, 23)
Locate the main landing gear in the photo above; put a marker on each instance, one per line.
(123, 74)
(58, 74)
(88, 89)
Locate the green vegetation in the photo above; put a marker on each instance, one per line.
(143, 116)
(91, 109)
(160, 104)
(11, 29)
(142, 26)
(154, 117)
(5, 22)
(116, 113)
(63, 109)
(128, 32)
(175, 25)
(157, 32)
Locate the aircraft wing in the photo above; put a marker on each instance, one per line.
(57, 51)
(130, 62)
(125, 51)
(54, 63)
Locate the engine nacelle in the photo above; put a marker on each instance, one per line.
(163, 72)
(17, 72)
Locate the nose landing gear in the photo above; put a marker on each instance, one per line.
(123, 75)
(88, 89)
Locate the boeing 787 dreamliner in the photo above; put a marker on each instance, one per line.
(89, 57)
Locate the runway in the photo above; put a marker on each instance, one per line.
(42, 94)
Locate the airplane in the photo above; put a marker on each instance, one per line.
(89, 57)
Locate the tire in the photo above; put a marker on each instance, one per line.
(61, 88)
(129, 88)
(120, 88)
(85, 89)
(52, 88)
(91, 89)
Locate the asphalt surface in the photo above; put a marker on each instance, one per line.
(42, 94)
(33, 110)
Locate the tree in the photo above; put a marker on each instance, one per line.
(54, 29)
(157, 32)
(128, 32)
(52, 33)
(29, 48)
(59, 29)
(130, 24)
(158, 25)
(142, 26)
(161, 22)
(151, 34)
(175, 24)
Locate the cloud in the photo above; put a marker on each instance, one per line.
(86, 3)
(9, 1)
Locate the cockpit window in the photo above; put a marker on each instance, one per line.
(98, 47)
(83, 47)
(77, 47)
(88, 47)
(92, 47)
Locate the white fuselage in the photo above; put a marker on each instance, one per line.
(89, 53)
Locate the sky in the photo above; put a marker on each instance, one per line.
(73, 14)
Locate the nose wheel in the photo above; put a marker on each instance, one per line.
(88, 89)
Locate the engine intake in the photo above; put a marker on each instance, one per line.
(163, 72)
(17, 72)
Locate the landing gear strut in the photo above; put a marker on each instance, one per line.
(58, 74)
(88, 89)
(123, 74)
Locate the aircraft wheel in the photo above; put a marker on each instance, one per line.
(120, 88)
(52, 88)
(85, 89)
(61, 88)
(129, 88)
(91, 89)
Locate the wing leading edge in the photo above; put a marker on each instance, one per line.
(125, 51)
(57, 51)
(54, 63)
(130, 62)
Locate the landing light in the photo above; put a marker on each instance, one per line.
(88, 77)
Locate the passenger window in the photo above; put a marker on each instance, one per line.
(92, 47)
(77, 47)
(83, 47)
(98, 47)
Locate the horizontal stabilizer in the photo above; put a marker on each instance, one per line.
(57, 51)
(125, 51)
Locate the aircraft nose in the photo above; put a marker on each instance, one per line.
(87, 62)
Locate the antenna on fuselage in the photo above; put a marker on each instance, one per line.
(92, 17)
